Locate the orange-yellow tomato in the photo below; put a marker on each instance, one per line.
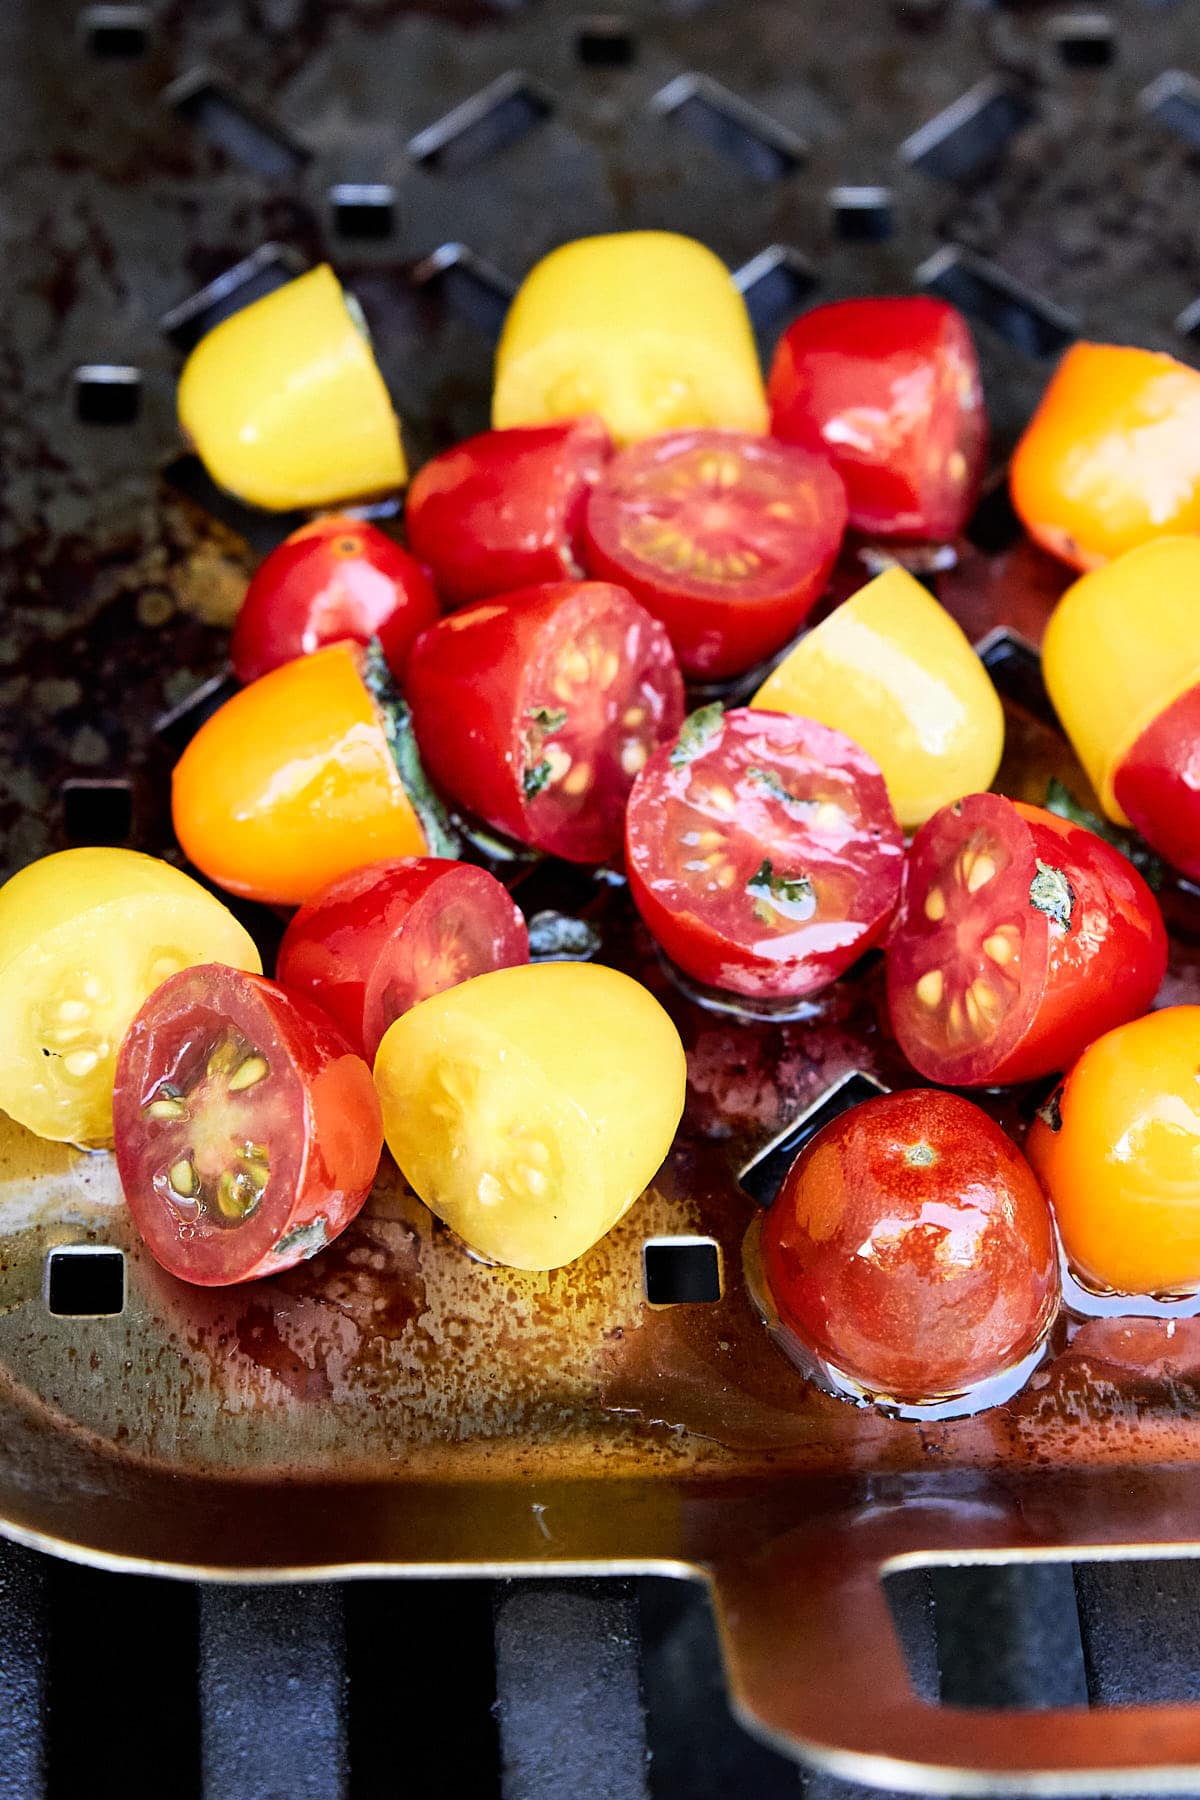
(1118, 1152)
(295, 782)
(1111, 457)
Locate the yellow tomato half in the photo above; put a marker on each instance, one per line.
(530, 1107)
(893, 671)
(85, 937)
(645, 328)
(285, 403)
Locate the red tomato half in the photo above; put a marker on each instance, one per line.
(247, 1132)
(1019, 939)
(504, 510)
(890, 391)
(762, 851)
(375, 942)
(910, 1249)
(727, 538)
(1157, 783)
(337, 578)
(536, 710)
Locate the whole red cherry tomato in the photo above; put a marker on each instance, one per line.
(909, 1254)
(1157, 783)
(726, 537)
(763, 852)
(536, 710)
(1020, 938)
(336, 578)
(375, 942)
(890, 391)
(504, 510)
(247, 1131)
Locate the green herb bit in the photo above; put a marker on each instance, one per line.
(793, 896)
(696, 733)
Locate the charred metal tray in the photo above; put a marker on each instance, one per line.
(394, 1407)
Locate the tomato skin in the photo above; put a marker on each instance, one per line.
(346, 945)
(336, 578)
(1157, 783)
(504, 510)
(324, 1137)
(1118, 1152)
(720, 626)
(1075, 981)
(477, 680)
(889, 390)
(910, 1248)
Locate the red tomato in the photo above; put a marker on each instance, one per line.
(910, 1251)
(505, 509)
(762, 851)
(1157, 783)
(726, 537)
(336, 578)
(890, 390)
(247, 1131)
(375, 942)
(1020, 938)
(537, 709)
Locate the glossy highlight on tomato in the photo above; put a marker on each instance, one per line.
(1020, 937)
(762, 852)
(909, 1254)
(336, 578)
(247, 1132)
(378, 941)
(726, 537)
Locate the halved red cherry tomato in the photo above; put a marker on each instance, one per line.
(726, 537)
(537, 709)
(910, 1251)
(763, 852)
(889, 390)
(1020, 938)
(247, 1131)
(336, 578)
(379, 940)
(505, 509)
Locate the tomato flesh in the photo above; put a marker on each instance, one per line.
(381, 939)
(504, 510)
(726, 537)
(536, 710)
(1157, 783)
(910, 1251)
(762, 851)
(247, 1131)
(1019, 939)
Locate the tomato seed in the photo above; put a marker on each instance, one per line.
(247, 1074)
(1000, 947)
(183, 1179)
(237, 1195)
(931, 987)
(168, 1107)
(935, 906)
(70, 1011)
(633, 716)
(222, 1059)
(80, 1063)
(633, 757)
(575, 783)
(979, 871)
(986, 997)
(534, 1180)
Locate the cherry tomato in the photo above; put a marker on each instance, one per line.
(890, 391)
(537, 709)
(530, 1107)
(505, 509)
(336, 578)
(725, 537)
(910, 1250)
(1111, 457)
(1118, 1152)
(302, 777)
(1020, 938)
(379, 940)
(762, 851)
(85, 936)
(1157, 783)
(247, 1132)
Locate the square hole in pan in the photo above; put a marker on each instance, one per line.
(265, 269)
(1084, 40)
(605, 42)
(97, 812)
(85, 1281)
(762, 1175)
(775, 284)
(861, 215)
(967, 137)
(1016, 671)
(763, 147)
(121, 32)
(681, 1271)
(241, 130)
(487, 122)
(363, 209)
(467, 286)
(107, 393)
(991, 297)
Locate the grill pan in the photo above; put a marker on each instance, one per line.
(394, 1407)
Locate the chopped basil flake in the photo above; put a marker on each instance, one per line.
(769, 780)
(548, 718)
(792, 895)
(536, 778)
(556, 937)
(696, 734)
(1052, 894)
(1050, 1112)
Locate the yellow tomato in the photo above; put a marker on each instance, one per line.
(643, 327)
(85, 937)
(1119, 1155)
(285, 404)
(893, 671)
(1121, 645)
(530, 1107)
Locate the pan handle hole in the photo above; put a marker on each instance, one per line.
(85, 1281)
(116, 32)
(681, 1271)
(97, 812)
